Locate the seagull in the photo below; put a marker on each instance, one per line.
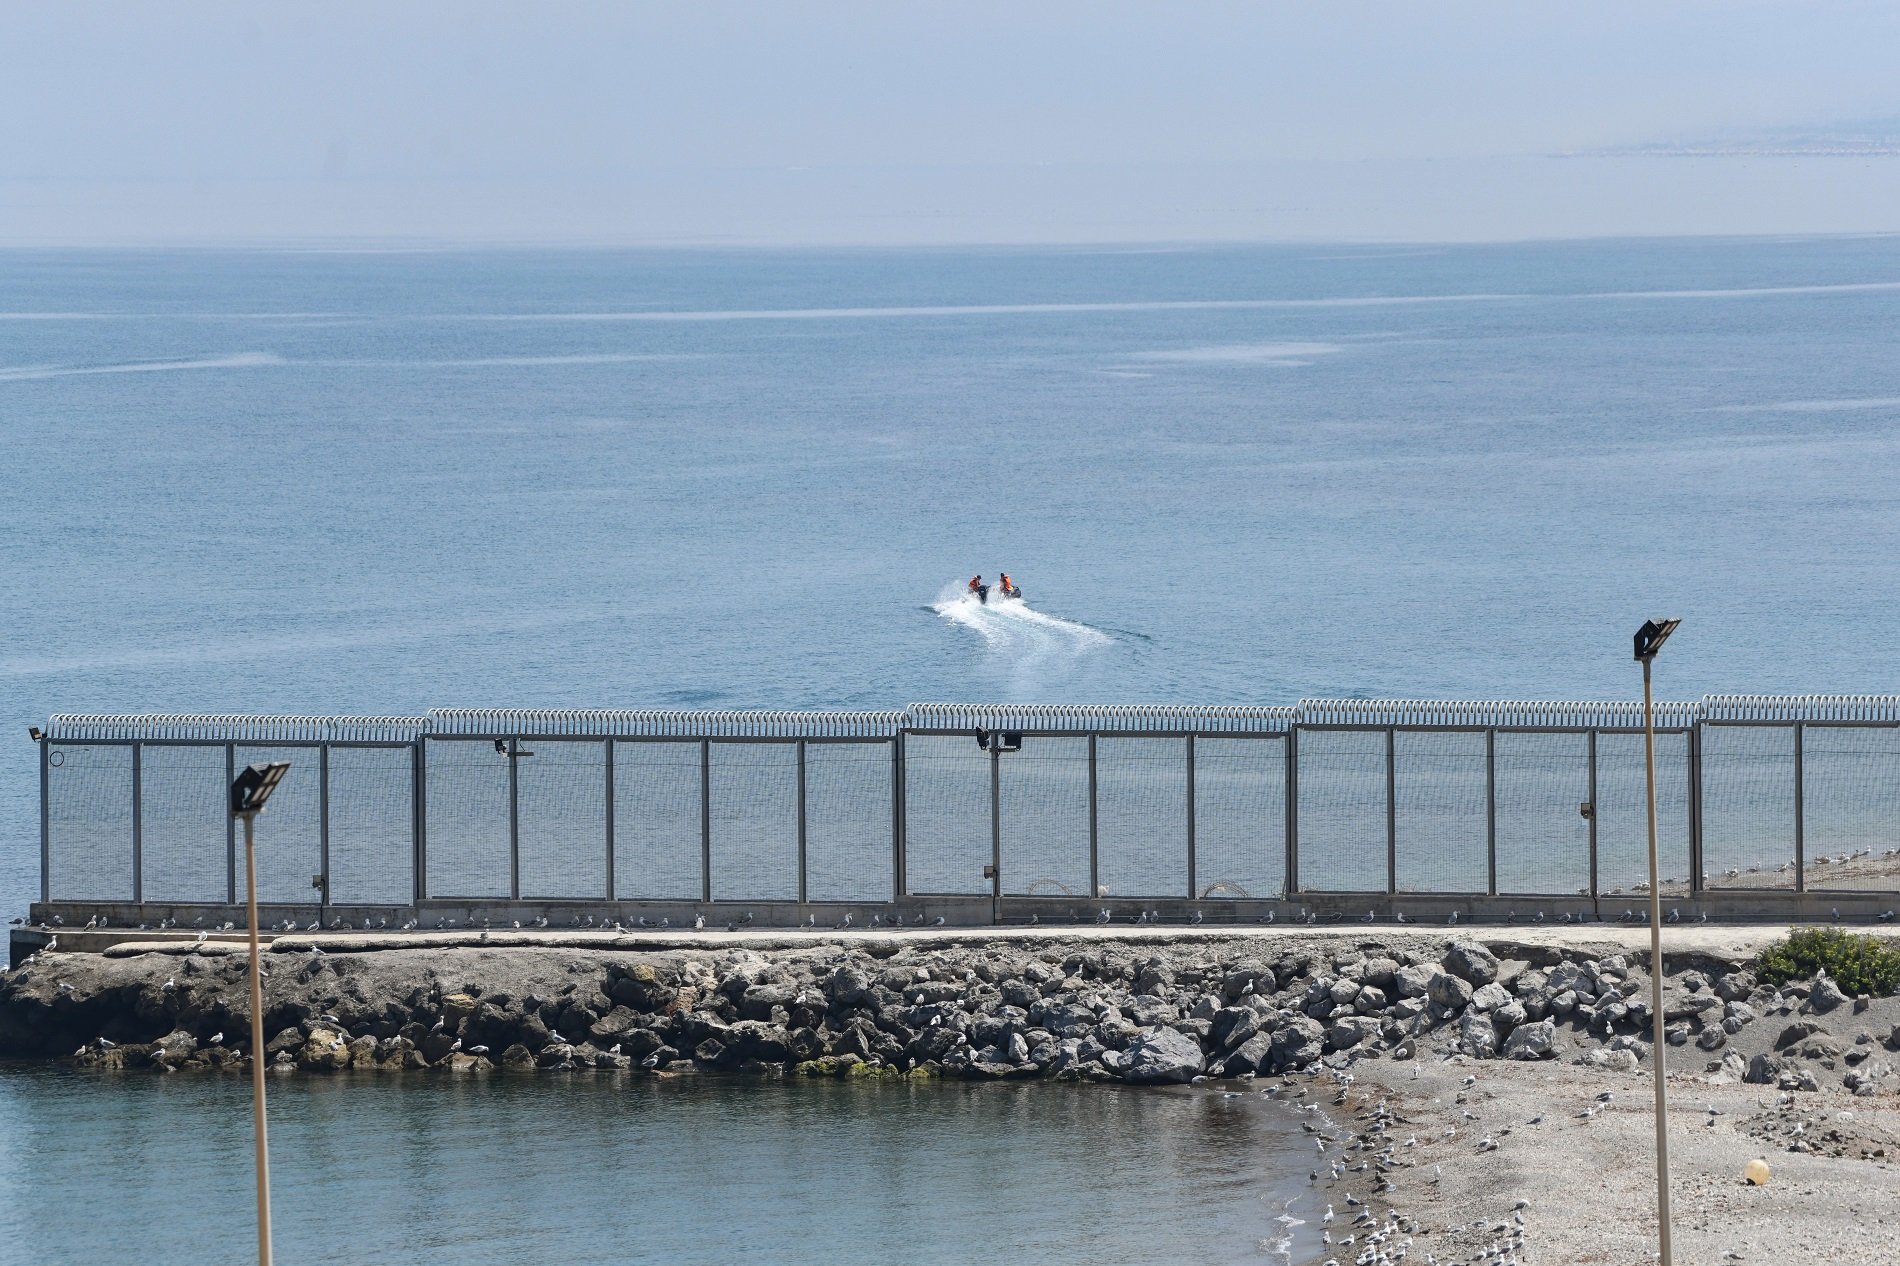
(699, 922)
(65, 988)
(1104, 916)
(202, 936)
(1400, 916)
(1267, 917)
(478, 1050)
(171, 983)
(215, 1038)
(651, 1061)
(844, 922)
(938, 923)
(1453, 918)
(1194, 920)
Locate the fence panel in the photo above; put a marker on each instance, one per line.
(467, 802)
(1748, 806)
(946, 814)
(1543, 841)
(657, 821)
(561, 818)
(184, 820)
(1342, 818)
(848, 821)
(290, 830)
(1623, 821)
(754, 789)
(1850, 777)
(1240, 817)
(1440, 785)
(89, 812)
(372, 825)
(1044, 794)
(1141, 811)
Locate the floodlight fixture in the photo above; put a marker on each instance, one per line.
(35, 733)
(251, 788)
(1010, 741)
(1652, 635)
(982, 738)
(501, 747)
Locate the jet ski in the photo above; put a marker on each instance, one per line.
(1014, 591)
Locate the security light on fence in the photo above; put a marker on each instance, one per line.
(1010, 741)
(1652, 635)
(34, 732)
(251, 788)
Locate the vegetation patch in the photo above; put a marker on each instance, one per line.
(1857, 962)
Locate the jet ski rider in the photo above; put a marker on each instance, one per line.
(977, 587)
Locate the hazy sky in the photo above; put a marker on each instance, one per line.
(827, 120)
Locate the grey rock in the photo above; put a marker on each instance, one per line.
(1490, 997)
(1532, 1041)
(1509, 1016)
(1472, 961)
(1826, 995)
(1163, 1055)
(1712, 1039)
(1477, 1035)
(1413, 981)
(1448, 991)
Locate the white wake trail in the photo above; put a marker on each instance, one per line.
(1011, 627)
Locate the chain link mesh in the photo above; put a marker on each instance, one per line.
(1440, 784)
(184, 823)
(848, 815)
(657, 823)
(946, 815)
(1240, 817)
(1342, 810)
(89, 822)
(1543, 839)
(561, 819)
(1850, 778)
(289, 831)
(1044, 794)
(372, 825)
(1141, 814)
(754, 804)
(1748, 806)
(1622, 816)
(468, 815)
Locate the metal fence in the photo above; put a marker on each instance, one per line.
(1394, 798)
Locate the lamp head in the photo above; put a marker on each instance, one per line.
(253, 785)
(35, 733)
(1652, 635)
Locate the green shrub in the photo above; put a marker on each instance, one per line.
(1858, 963)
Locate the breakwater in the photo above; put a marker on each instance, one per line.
(1170, 1007)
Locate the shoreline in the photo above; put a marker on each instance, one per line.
(1377, 1031)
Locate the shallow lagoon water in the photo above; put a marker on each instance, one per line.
(502, 1170)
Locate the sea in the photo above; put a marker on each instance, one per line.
(345, 479)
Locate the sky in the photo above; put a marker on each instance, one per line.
(838, 121)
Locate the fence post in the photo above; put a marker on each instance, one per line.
(1193, 883)
(138, 823)
(46, 822)
(1095, 857)
(514, 818)
(705, 820)
(1391, 812)
(230, 830)
(1592, 823)
(899, 884)
(1290, 883)
(801, 822)
(1800, 812)
(419, 813)
(612, 888)
(323, 828)
(1491, 811)
(1693, 738)
(996, 830)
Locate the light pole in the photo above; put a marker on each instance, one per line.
(249, 790)
(1649, 640)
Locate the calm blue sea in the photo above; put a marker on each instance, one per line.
(379, 481)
